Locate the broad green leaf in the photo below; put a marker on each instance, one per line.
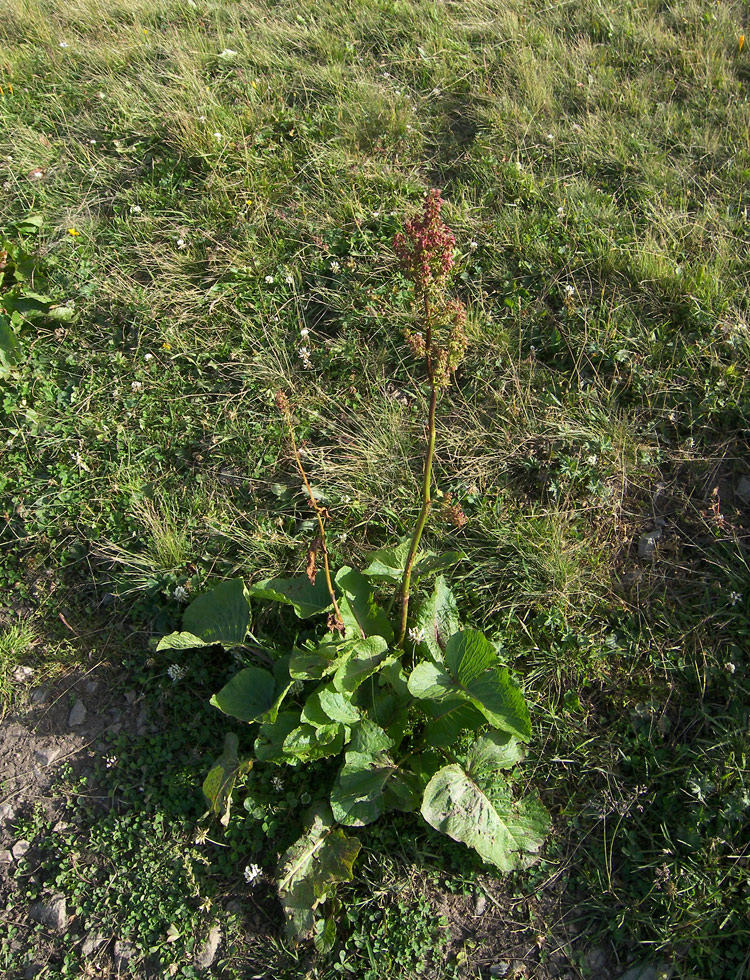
(219, 616)
(388, 564)
(471, 673)
(491, 753)
(367, 657)
(357, 795)
(325, 935)
(430, 681)
(179, 641)
(248, 696)
(326, 705)
(360, 612)
(369, 784)
(29, 225)
(10, 348)
(283, 682)
(269, 745)
(315, 663)
(311, 868)
(385, 707)
(430, 564)
(438, 620)
(449, 719)
(369, 738)
(305, 598)
(506, 834)
(337, 706)
(219, 783)
(308, 744)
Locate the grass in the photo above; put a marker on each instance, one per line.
(237, 172)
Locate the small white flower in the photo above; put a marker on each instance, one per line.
(416, 635)
(181, 244)
(64, 44)
(561, 212)
(335, 267)
(304, 332)
(278, 783)
(181, 594)
(568, 291)
(148, 357)
(92, 142)
(227, 53)
(289, 280)
(376, 214)
(135, 209)
(218, 137)
(269, 280)
(176, 672)
(729, 667)
(435, 91)
(252, 873)
(136, 386)
(110, 761)
(735, 597)
(550, 137)
(592, 460)
(473, 246)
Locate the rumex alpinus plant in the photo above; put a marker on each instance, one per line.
(394, 697)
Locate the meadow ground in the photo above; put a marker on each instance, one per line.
(189, 184)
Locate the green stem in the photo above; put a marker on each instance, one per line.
(424, 514)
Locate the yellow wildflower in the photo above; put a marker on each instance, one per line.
(73, 232)
(742, 41)
(166, 346)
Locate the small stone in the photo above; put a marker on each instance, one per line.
(22, 674)
(91, 686)
(647, 543)
(6, 813)
(20, 849)
(596, 960)
(52, 914)
(45, 757)
(91, 943)
(207, 953)
(648, 971)
(40, 694)
(500, 969)
(77, 714)
(5, 857)
(61, 827)
(480, 903)
(130, 696)
(123, 953)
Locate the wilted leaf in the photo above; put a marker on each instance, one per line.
(311, 868)
(219, 783)
(438, 619)
(507, 834)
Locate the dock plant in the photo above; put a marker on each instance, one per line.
(416, 710)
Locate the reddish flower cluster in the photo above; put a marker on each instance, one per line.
(426, 250)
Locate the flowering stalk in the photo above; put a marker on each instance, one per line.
(282, 403)
(425, 252)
